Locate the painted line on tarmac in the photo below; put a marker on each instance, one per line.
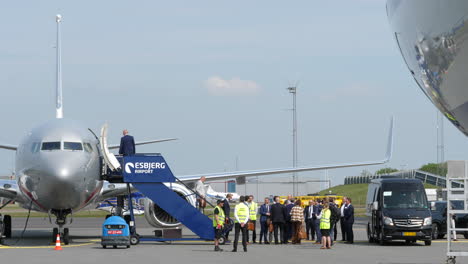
(94, 241)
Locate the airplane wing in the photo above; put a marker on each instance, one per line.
(9, 147)
(143, 142)
(235, 174)
(111, 190)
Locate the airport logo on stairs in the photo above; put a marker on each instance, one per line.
(129, 165)
(143, 167)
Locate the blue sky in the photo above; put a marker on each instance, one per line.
(214, 74)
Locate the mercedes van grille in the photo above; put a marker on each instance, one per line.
(408, 222)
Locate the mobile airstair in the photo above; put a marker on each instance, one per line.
(150, 175)
(457, 173)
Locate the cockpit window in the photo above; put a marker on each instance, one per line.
(35, 147)
(51, 145)
(72, 146)
(88, 147)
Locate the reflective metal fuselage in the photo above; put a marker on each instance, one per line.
(433, 38)
(58, 179)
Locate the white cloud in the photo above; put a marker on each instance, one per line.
(220, 87)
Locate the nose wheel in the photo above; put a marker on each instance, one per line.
(64, 236)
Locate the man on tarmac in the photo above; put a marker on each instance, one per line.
(241, 214)
(253, 207)
(218, 223)
(227, 211)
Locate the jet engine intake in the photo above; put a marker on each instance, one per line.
(159, 218)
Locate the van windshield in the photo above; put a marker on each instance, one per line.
(404, 196)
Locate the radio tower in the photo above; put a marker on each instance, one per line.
(292, 90)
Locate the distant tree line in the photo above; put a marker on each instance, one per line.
(434, 168)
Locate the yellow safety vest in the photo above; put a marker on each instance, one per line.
(253, 210)
(325, 220)
(221, 217)
(242, 211)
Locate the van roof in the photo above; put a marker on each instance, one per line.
(382, 180)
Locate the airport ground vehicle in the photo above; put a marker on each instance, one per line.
(227, 228)
(439, 218)
(115, 232)
(306, 198)
(397, 209)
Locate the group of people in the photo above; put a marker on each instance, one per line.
(317, 221)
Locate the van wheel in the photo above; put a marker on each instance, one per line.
(435, 231)
(465, 235)
(369, 236)
(427, 242)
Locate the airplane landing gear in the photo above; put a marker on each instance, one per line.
(54, 235)
(61, 221)
(64, 236)
(7, 226)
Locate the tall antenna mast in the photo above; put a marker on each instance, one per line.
(292, 90)
(58, 91)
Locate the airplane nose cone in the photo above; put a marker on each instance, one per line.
(59, 185)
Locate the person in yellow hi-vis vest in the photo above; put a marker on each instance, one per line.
(218, 223)
(241, 215)
(325, 225)
(253, 207)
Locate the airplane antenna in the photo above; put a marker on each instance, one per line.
(58, 103)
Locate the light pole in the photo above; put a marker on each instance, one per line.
(292, 90)
(440, 142)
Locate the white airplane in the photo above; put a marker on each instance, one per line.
(57, 168)
(214, 195)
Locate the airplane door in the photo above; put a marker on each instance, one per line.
(109, 158)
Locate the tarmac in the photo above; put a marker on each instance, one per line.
(35, 247)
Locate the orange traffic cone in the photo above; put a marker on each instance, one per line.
(57, 243)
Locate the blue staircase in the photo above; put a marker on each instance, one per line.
(147, 173)
(177, 207)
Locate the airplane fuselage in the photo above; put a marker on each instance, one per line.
(432, 38)
(58, 166)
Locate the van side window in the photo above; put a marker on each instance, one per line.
(377, 195)
(371, 193)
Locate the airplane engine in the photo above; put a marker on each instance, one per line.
(157, 217)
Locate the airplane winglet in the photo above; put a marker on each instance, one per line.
(389, 153)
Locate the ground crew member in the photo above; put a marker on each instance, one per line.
(218, 223)
(241, 214)
(253, 207)
(325, 226)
